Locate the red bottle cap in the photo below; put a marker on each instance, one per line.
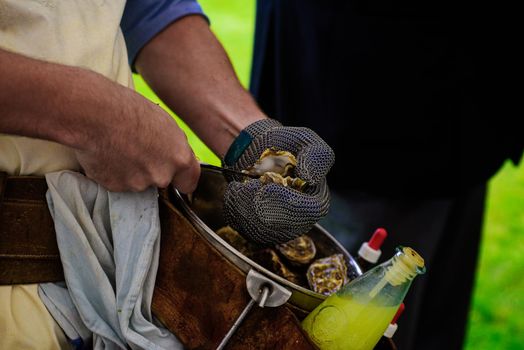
(397, 315)
(377, 239)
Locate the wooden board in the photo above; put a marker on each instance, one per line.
(199, 294)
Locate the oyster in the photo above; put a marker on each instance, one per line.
(300, 250)
(272, 160)
(266, 257)
(269, 259)
(235, 239)
(327, 275)
(288, 181)
(276, 166)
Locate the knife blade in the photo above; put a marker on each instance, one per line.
(227, 171)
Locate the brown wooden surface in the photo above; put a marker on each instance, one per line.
(270, 328)
(199, 294)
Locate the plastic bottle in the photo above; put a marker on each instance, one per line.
(356, 316)
(386, 341)
(370, 252)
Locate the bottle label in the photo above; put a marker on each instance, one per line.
(327, 325)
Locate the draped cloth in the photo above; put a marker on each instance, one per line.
(109, 246)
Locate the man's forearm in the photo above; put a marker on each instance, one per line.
(51, 101)
(190, 71)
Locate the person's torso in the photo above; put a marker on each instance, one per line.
(82, 33)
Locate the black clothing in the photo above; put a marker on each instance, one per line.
(417, 100)
(413, 102)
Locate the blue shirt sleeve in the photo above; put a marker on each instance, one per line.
(143, 19)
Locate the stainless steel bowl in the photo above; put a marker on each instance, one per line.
(204, 209)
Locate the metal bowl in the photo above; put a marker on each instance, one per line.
(204, 210)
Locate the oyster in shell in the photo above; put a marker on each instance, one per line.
(271, 261)
(235, 239)
(266, 257)
(276, 166)
(300, 250)
(324, 276)
(327, 275)
(272, 160)
(288, 181)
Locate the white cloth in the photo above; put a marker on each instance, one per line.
(109, 246)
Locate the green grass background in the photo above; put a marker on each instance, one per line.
(498, 302)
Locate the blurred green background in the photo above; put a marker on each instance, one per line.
(495, 319)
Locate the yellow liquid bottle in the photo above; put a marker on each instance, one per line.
(355, 317)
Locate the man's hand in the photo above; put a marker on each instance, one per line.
(142, 147)
(271, 213)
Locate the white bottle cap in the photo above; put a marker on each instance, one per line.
(368, 253)
(390, 331)
(392, 327)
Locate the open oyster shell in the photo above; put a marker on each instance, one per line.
(272, 160)
(276, 166)
(235, 239)
(288, 181)
(325, 276)
(300, 250)
(328, 275)
(271, 261)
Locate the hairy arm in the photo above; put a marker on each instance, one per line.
(122, 140)
(190, 71)
(44, 100)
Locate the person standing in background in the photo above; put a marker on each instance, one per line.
(415, 99)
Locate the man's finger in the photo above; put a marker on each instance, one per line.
(186, 180)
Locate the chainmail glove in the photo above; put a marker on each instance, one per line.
(271, 213)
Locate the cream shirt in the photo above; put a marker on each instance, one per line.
(84, 33)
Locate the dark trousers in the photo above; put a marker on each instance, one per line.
(446, 232)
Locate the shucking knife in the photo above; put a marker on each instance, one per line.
(303, 186)
(227, 171)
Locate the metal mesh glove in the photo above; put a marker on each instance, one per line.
(271, 213)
